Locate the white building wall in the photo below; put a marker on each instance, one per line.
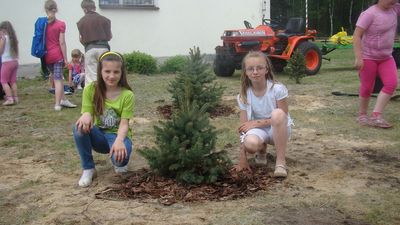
(177, 26)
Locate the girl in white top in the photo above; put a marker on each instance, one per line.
(264, 113)
(9, 59)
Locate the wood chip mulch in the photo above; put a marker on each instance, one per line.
(144, 185)
(219, 110)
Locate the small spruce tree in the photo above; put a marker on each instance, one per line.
(297, 66)
(186, 146)
(201, 81)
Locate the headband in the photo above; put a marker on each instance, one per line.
(111, 53)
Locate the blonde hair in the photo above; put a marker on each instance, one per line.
(244, 79)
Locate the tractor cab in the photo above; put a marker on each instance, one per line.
(294, 27)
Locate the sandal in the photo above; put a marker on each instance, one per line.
(379, 122)
(280, 171)
(362, 120)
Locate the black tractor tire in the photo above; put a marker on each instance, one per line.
(312, 55)
(396, 56)
(278, 64)
(223, 69)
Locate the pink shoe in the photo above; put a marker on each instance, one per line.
(9, 101)
(379, 122)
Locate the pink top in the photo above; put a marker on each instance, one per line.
(380, 30)
(53, 31)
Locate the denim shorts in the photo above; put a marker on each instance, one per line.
(57, 69)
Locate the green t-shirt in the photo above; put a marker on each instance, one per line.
(114, 110)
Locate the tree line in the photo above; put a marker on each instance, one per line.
(326, 16)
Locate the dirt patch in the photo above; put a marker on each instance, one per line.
(144, 185)
(220, 110)
(321, 216)
(307, 102)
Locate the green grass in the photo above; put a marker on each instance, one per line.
(323, 123)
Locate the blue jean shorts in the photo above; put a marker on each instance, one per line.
(57, 69)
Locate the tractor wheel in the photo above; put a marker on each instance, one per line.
(223, 70)
(278, 64)
(312, 55)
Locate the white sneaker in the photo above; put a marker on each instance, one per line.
(261, 158)
(122, 169)
(67, 103)
(86, 178)
(57, 107)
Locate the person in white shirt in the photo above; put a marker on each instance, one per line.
(264, 113)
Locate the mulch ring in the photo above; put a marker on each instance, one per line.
(219, 110)
(144, 185)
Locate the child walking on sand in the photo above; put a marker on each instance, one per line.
(107, 106)
(76, 75)
(9, 60)
(264, 113)
(373, 41)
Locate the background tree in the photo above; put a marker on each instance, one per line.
(345, 13)
(197, 75)
(296, 66)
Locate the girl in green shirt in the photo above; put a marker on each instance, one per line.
(107, 106)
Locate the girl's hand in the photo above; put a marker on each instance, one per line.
(84, 123)
(247, 126)
(119, 150)
(359, 64)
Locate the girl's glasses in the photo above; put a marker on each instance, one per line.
(256, 68)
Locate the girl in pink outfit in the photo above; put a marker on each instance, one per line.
(9, 59)
(56, 56)
(373, 41)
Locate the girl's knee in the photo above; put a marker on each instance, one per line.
(252, 143)
(278, 116)
(76, 132)
(390, 89)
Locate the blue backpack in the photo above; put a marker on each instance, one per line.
(39, 39)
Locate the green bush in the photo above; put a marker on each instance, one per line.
(185, 147)
(141, 63)
(174, 64)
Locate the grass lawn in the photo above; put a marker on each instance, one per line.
(339, 172)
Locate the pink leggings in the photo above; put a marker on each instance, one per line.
(9, 72)
(385, 69)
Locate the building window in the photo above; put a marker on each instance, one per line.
(123, 4)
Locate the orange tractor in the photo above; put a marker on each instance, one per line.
(278, 44)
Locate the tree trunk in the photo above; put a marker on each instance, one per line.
(350, 14)
(331, 9)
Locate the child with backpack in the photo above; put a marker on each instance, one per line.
(9, 59)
